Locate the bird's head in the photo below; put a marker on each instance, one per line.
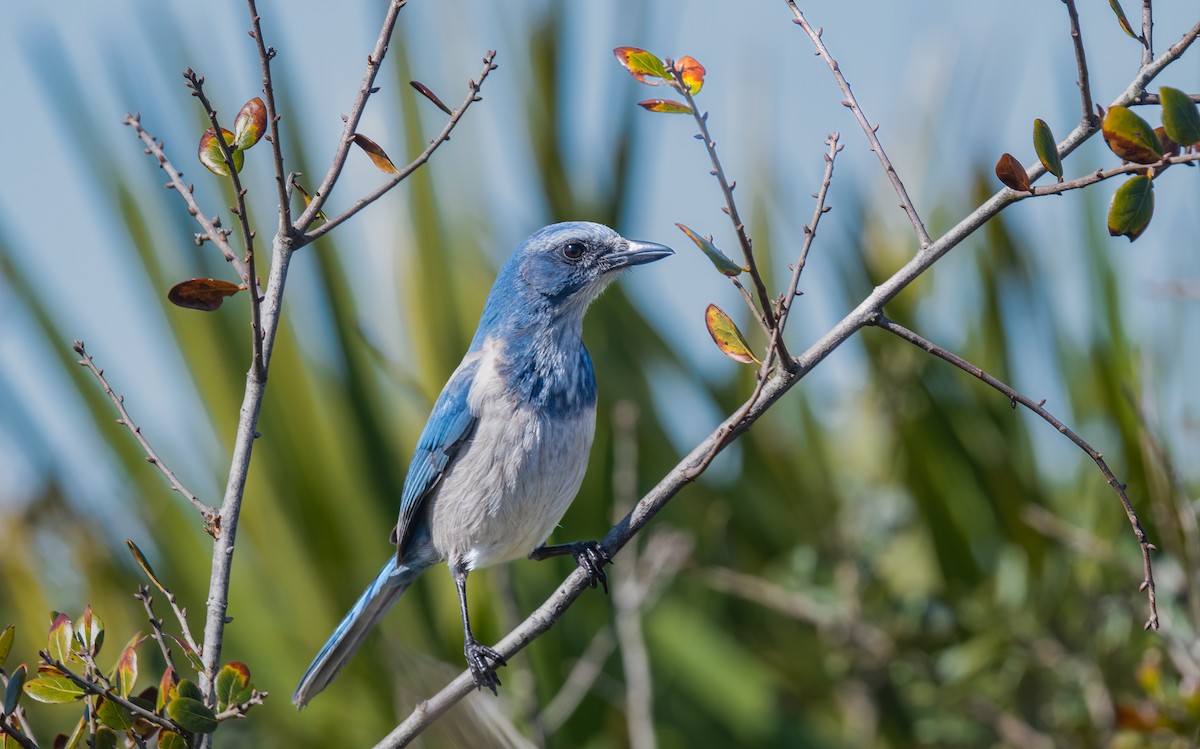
(568, 265)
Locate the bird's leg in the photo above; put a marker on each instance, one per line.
(589, 555)
(478, 654)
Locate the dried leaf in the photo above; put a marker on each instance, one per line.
(250, 125)
(692, 73)
(1169, 146)
(1132, 207)
(54, 690)
(421, 87)
(665, 105)
(718, 258)
(211, 156)
(641, 64)
(204, 294)
(727, 336)
(307, 198)
(1180, 116)
(1047, 148)
(378, 157)
(1122, 20)
(1012, 174)
(1130, 137)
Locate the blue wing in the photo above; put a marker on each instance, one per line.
(450, 425)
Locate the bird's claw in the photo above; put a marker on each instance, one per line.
(482, 661)
(592, 557)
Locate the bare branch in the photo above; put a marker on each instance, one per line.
(1039, 409)
(206, 512)
(92, 687)
(869, 129)
(1147, 33)
(1085, 87)
(147, 600)
(265, 55)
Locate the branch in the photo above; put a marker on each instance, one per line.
(1100, 175)
(1039, 409)
(92, 687)
(1085, 87)
(206, 512)
(1147, 32)
(16, 734)
(365, 89)
(869, 129)
(265, 55)
(212, 231)
(143, 595)
(400, 176)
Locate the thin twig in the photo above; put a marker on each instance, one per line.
(265, 55)
(239, 710)
(1039, 409)
(147, 600)
(16, 734)
(196, 83)
(92, 687)
(206, 512)
(400, 176)
(868, 129)
(1100, 175)
(365, 89)
(730, 209)
(1154, 100)
(212, 231)
(1085, 87)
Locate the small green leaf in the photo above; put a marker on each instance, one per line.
(192, 715)
(641, 64)
(667, 106)
(105, 739)
(1132, 207)
(127, 671)
(61, 642)
(1012, 174)
(250, 124)
(1131, 137)
(232, 680)
(1180, 116)
(12, 693)
(114, 716)
(375, 153)
(718, 258)
(6, 642)
(171, 740)
(140, 558)
(191, 654)
(692, 73)
(89, 631)
(188, 690)
(54, 690)
(1122, 20)
(727, 336)
(210, 154)
(1047, 148)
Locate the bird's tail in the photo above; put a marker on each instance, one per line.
(389, 585)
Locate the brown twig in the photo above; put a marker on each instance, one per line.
(147, 600)
(206, 512)
(1102, 174)
(1089, 117)
(265, 55)
(868, 129)
(1038, 407)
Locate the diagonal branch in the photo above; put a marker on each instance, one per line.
(265, 55)
(206, 512)
(1038, 407)
(869, 129)
(1085, 87)
(92, 687)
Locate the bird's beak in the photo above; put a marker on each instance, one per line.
(637, 253)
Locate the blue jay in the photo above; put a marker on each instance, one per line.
(506, 446)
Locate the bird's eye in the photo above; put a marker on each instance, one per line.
(573, 250)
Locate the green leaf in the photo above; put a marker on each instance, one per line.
(127, 671)
(1012, 174)
(250, 124)
(6, 642)
(12, 693)
(667, 106)
(192, 656)
(210, 154)
(1180, 116)
(89, 631)
(1047, 148)
(188, 690)
(171, 740)
(113, 715)
(1132, 207)
(61, 642)
(719, 259)
(1122, 20)
(1131, 137)
(54, 690)
(641, 64)
(192, 715)
(232, 681)
(727, 336)
(105, 739)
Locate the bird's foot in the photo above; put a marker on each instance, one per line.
(482, 661)
(591, 556)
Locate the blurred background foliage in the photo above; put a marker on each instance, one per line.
(923, 567)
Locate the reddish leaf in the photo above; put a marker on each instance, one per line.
(431, 96)
(89, 631)
(166, 688)
(641, 64)
(378, 157)
(726, 335)
(1169, 146)
(1012, 174)
(127, 671)
(211, 156)
(250, 124)
(692, 73)
(1132, 207)
(1131, 137)
(665, 105)
(204, 294)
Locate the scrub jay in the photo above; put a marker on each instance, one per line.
(506, 446)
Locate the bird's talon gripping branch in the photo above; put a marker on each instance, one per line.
(483, 661)
(589, 555)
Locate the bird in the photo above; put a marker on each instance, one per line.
(506, 445)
